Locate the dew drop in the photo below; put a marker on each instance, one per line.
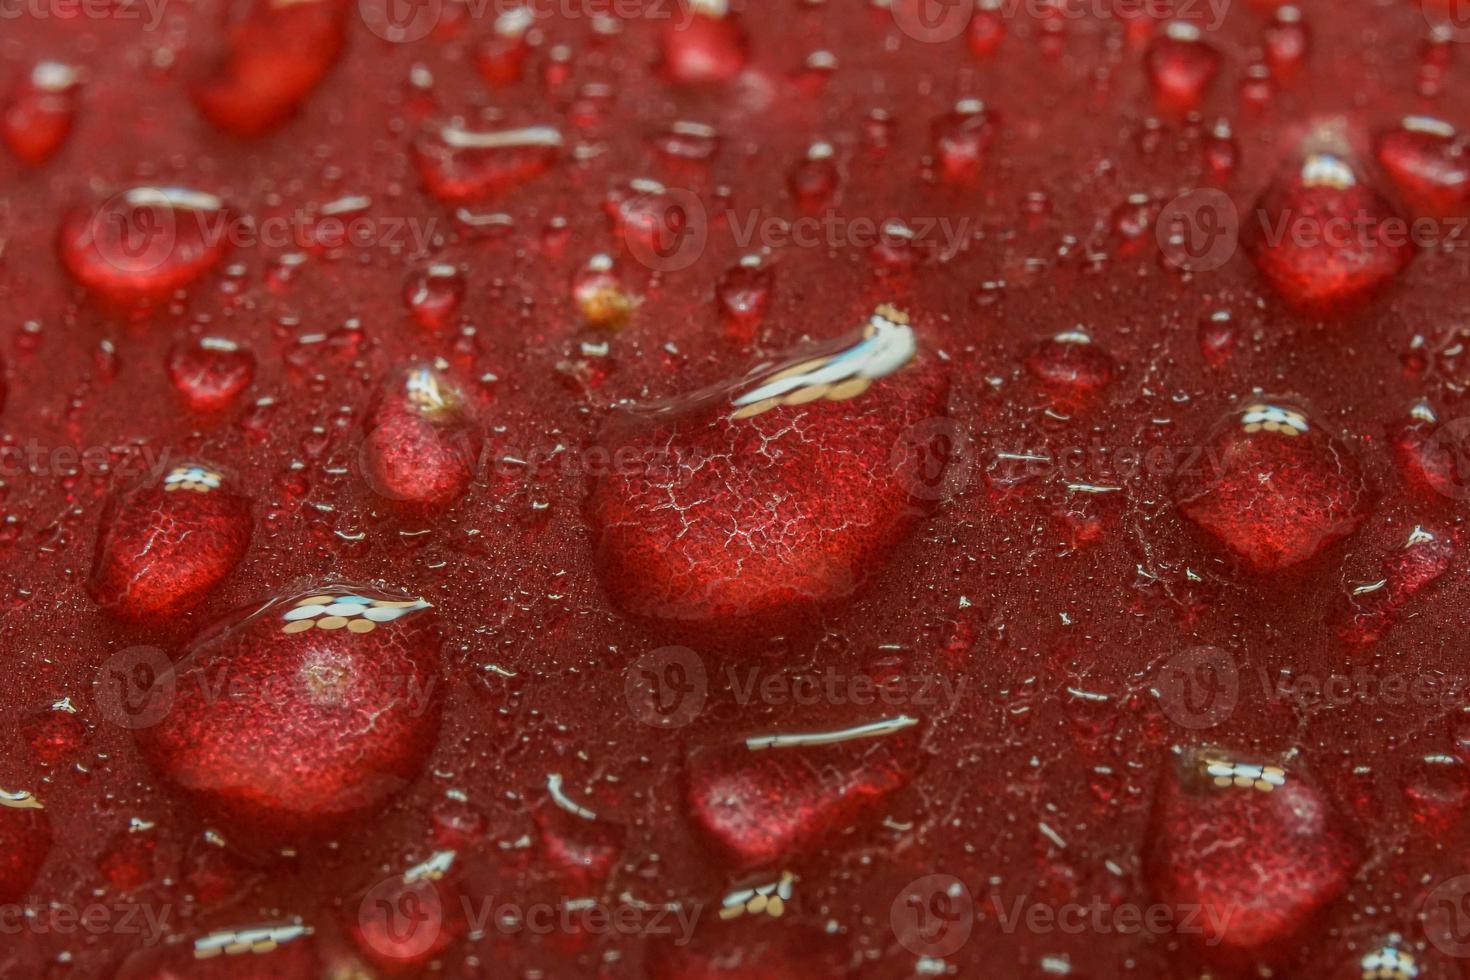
(461, 164)
(1273, 488)
(210, 372)
(38, 118)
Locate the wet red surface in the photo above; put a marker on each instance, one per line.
(989, 642)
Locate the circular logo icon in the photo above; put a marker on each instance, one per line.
(401, 920)
(401, 21)
(934, 459)
(135, 687)
(136, 231)
(666, 688)
(932, 21)
(933, 916)
(1448, 448)
(1448, 18)
(1199, 687)
(668, 229)
(1445, 913)
(1198, 230)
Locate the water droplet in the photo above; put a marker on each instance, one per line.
(761, 808)
(601, 296)
(210, 372)
(1429, 161)
(744, 291)
(56, 733)
(422, 445)
(145, 242)
(25, 843)
(1375, 606)
(709, 49)
(814, 179)
(784, 489)
(1322, 236)
(1071, 361)
(1273, 487)
(284, 751)
(1286, 40)
(38, 118)
(433, 294)
(1254, 845)
(1181, 66)
(501, 58)
(962, 139)
(164, 545)
(275, 55)
(460, 164)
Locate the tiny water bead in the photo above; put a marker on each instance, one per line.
(422, 444)
(1071, 361)
(37, 119)
(145, 242)
(1254, 845)
(747, 502)
(1420, 559)
(709, 49)
(1286, 40)
(744, 291)
(274, 56)
(1181, 65)
(25, 843)
(1272, 487)
(56, 733)
(332, 705)
(601, 296)
(1322, 236)
(462, 164)
(163, 546)
(210, 372)
(433, 294)
(1429, 161)
(962, 140)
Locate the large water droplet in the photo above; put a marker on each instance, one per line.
(1273, 488)
(330, 704)
(1322, 236)
(275, 55)
(785, 488)
(145, 242)
(1253, 845)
